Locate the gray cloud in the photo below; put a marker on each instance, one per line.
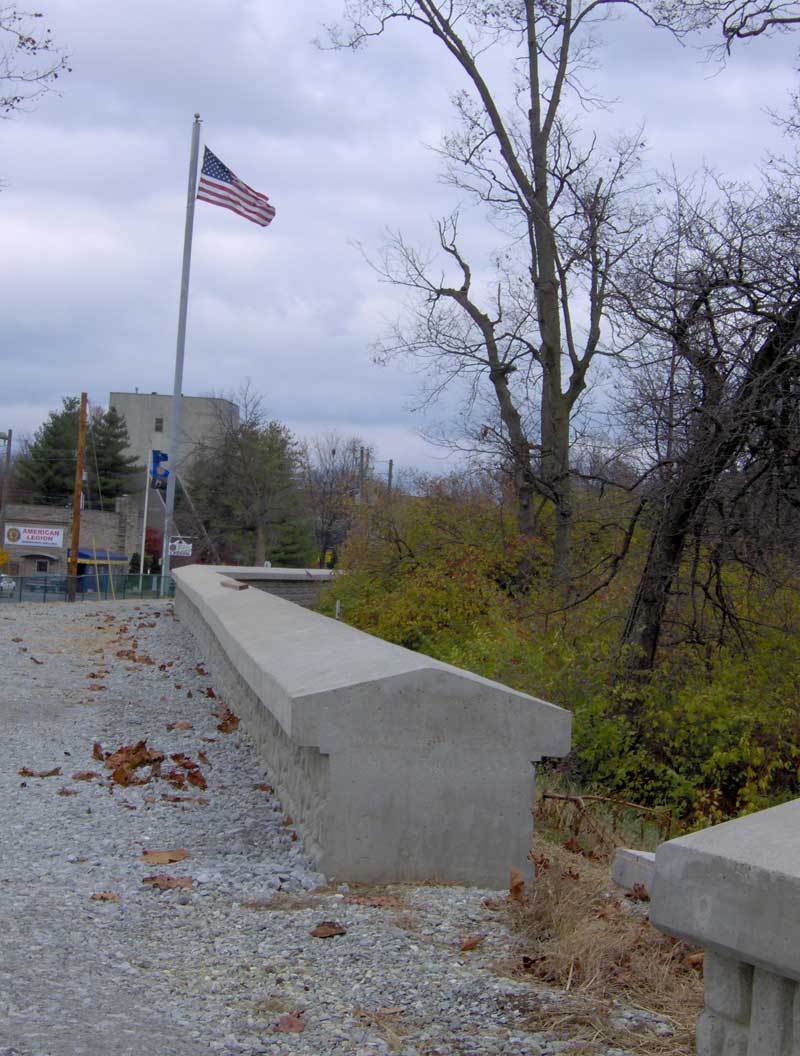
(91, 214)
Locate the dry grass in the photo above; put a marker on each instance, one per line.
(578, 932)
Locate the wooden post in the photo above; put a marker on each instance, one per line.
(76, 502)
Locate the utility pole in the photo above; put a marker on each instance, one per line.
(6, 482)
(389, 483)
(77, 492)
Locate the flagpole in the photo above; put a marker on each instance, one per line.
(169, 507)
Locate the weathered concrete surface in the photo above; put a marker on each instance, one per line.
(634, 867)
(396, 766)
(300, 585)
(735, 890)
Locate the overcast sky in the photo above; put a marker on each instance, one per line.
(94, 188)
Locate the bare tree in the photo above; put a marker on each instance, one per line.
(30, 63)
(712, 299)
(332, 482)
(535, 333)
(244, 478)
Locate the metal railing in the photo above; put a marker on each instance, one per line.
(87, 588)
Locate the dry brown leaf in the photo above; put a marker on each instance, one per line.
(397, 1011)
(165, 882)
(184, 799)
(228, 721)
(291, 1024)
(264, 788)
(195, 777)
(696, 961)
(210, 693)
(327, 929)
(164, 857)
(515, 885)
(27, 772)
(472, 942)
(68, 792)
(86, 775)
(104, 896)
(97, 752)
(182, 725)
(203, 758)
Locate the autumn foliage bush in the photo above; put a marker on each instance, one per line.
(713, 732)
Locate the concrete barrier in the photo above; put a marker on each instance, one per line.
(392, 765)
(734, 889)
(300, 585)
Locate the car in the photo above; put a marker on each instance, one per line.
(7, 585)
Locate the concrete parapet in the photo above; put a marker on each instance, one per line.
(634, 869)
(300, 585)
(734, 889)
(394, 766)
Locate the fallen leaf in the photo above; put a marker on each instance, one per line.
(327, 929)
(209, 740)
(472, 942)
(97, 752)
(182, 725)
(104, 896)
(86, 775)
(228, 721)
(189, 694)
(573, 845)
(639, 893)
(203, 758)
(68, 792)
(397, 1011)
(164, 857)
(264, 788)
(16, 639)
(291, 1024)
(27, 772)
(165, 882)
(39, 661)
(194, 777)
(515, 885)
(696, 960)
(184, 799)
(210, 693)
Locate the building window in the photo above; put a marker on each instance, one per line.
(42, 566)
(159, 426)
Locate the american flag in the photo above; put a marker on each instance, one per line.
(220, 186)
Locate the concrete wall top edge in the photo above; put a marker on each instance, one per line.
(249, 573)
(768, 839)
(311, 656)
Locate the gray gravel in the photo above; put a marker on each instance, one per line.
(215, 968)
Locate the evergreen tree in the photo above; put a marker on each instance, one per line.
(45, 471)
(109, 468)
(294, 546)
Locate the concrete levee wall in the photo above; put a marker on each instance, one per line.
(393, 766)
(300, 585)
(734, 889)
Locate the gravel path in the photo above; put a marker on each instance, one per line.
(225, 963)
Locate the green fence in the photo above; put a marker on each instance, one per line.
(116, 586)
